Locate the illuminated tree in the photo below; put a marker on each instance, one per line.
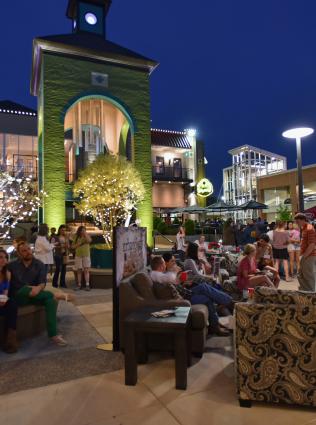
(108, 190)
(19, 201)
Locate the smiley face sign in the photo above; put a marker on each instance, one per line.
(204, 188)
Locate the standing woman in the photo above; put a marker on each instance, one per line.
(181, 245)
(61, 256)
(81, 244)
(43, 249)
(294, 247)
(8, 307)
(280, 241)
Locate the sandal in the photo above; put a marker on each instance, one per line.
(59, 340)
(63, 296)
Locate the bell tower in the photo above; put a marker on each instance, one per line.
(89, 15)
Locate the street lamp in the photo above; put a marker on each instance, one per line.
(298, 134)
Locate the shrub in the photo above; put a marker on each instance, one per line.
(189, 227)
(283, 213)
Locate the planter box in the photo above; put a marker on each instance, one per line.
(101, 258)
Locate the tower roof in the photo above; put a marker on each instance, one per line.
(88, 46)
(71, 9)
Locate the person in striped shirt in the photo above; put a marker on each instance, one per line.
(307, 272)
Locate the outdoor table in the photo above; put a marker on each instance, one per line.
(140, 323)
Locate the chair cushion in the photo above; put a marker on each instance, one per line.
(166, 291)
(199, 316)
(264, 295)
(143, 285)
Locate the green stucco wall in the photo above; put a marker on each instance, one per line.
(65, 80)
(200, 166)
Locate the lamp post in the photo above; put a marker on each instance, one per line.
(298, 134)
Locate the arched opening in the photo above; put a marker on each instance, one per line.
(94, 126)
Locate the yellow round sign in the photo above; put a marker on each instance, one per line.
(204, 188)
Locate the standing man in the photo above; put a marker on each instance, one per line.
(28, 281)
(307, 272)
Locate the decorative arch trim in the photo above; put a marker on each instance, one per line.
(103, 96)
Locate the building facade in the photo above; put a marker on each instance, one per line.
(282, 189)
(249, 163)
(177, 157)
(18, 139)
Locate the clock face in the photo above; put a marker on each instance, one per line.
(91, 18)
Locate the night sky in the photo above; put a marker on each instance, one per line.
(239, 71)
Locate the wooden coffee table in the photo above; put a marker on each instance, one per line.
(140, 323)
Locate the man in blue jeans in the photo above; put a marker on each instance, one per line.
(196, 293)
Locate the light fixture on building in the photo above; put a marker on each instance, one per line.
(169, 182)
(191, 132)
(298, 134)
(90, 18)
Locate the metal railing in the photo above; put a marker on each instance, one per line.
(172, 173)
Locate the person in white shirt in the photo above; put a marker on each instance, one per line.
(43, 249)
(181, 245)
(202, 254)
(159, 273)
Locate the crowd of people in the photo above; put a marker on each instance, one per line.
(288, 245)
(23, 280)
(265, 250)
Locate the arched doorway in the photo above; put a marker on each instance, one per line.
(93, 126)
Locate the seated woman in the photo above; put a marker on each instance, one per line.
(264, 258)
(248, 276)
(192, 262)
(8, 307)
(202, 254)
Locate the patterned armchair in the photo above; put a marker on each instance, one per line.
(275, 340)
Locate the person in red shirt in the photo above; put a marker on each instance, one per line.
(248, 276)
(307, 272)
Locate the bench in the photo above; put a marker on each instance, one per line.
(31, 322)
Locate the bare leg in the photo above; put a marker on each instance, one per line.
(86, 276)
(298, 260)
(260, 280)
(292, 255)
(277, 265)
(286, 270)
(79, 277)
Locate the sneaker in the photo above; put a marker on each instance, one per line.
(59, 340)
(87, 288)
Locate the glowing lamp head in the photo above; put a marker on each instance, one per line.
(90, 18)
(298, 133)
(191, 132)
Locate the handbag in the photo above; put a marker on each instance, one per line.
(65, 259)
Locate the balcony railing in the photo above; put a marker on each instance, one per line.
(172, 173)
(20, 171)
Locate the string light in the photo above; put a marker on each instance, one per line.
(20, 201)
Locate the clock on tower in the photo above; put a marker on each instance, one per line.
(88, 15)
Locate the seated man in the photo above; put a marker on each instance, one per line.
(264, 258)
(197, 293)
(28, 280)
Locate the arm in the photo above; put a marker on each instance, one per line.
(191, 265)
(311, 247)
(41, 279)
